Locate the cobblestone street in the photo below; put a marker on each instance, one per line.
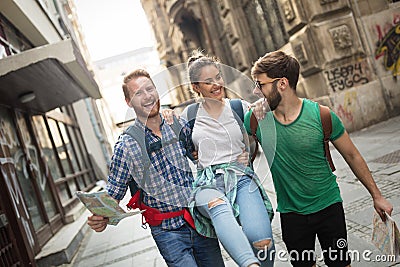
(130, 245)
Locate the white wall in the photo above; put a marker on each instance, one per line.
(92, 142)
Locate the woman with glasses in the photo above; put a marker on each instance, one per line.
(228, 199)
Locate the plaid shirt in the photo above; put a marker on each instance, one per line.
(170, 179)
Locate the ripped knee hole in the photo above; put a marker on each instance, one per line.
(215, 202)
(263, 244)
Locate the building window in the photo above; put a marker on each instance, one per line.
(65, 153)
(46, 146)
(60, 147)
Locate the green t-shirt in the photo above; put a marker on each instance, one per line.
(303, 180)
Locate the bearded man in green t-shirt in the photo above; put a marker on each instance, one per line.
(308, 195)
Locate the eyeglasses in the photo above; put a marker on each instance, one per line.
(215, 80)
(259, 85)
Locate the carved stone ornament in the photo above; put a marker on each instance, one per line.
(223, 7)
(231, 32)
(288, 10)
(341, 37)
(300, 53)
(239, 57)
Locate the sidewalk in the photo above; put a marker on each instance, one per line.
(129, 245)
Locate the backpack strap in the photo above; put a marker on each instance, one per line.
(326, 122)
(191, 118)
(177, 128)
(237, 107)
(253, 130)
(138, 134)
(192, 113)
(253, 125)
(237, 110)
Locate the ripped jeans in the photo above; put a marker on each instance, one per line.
(239, 241)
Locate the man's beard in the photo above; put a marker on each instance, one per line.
(274, 97)
(146, 115)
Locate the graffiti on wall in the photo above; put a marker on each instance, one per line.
(346, 110)
(16, 195)
(347, 76)
(8, 166)
(6, 137)
(33, 157)
(388, 45)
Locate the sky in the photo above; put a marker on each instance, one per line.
(112, 27)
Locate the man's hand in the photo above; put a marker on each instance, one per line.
(168, 115)
(243, 158)
(97, 223)
(260, 108)
(381, 206)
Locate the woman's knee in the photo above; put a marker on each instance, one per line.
(263, 244)
(215, 202)
(206, 208)
(204, 196)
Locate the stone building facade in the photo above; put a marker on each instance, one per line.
(348, 49)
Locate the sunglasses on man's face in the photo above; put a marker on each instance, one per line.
(259, 85)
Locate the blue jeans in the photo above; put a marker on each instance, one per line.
(253, 218)
(184, 247)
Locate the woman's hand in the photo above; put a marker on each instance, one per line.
(195, 155)
(260, 108)
(168, 115)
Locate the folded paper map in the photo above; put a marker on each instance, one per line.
(100, 203)
(385, 235)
